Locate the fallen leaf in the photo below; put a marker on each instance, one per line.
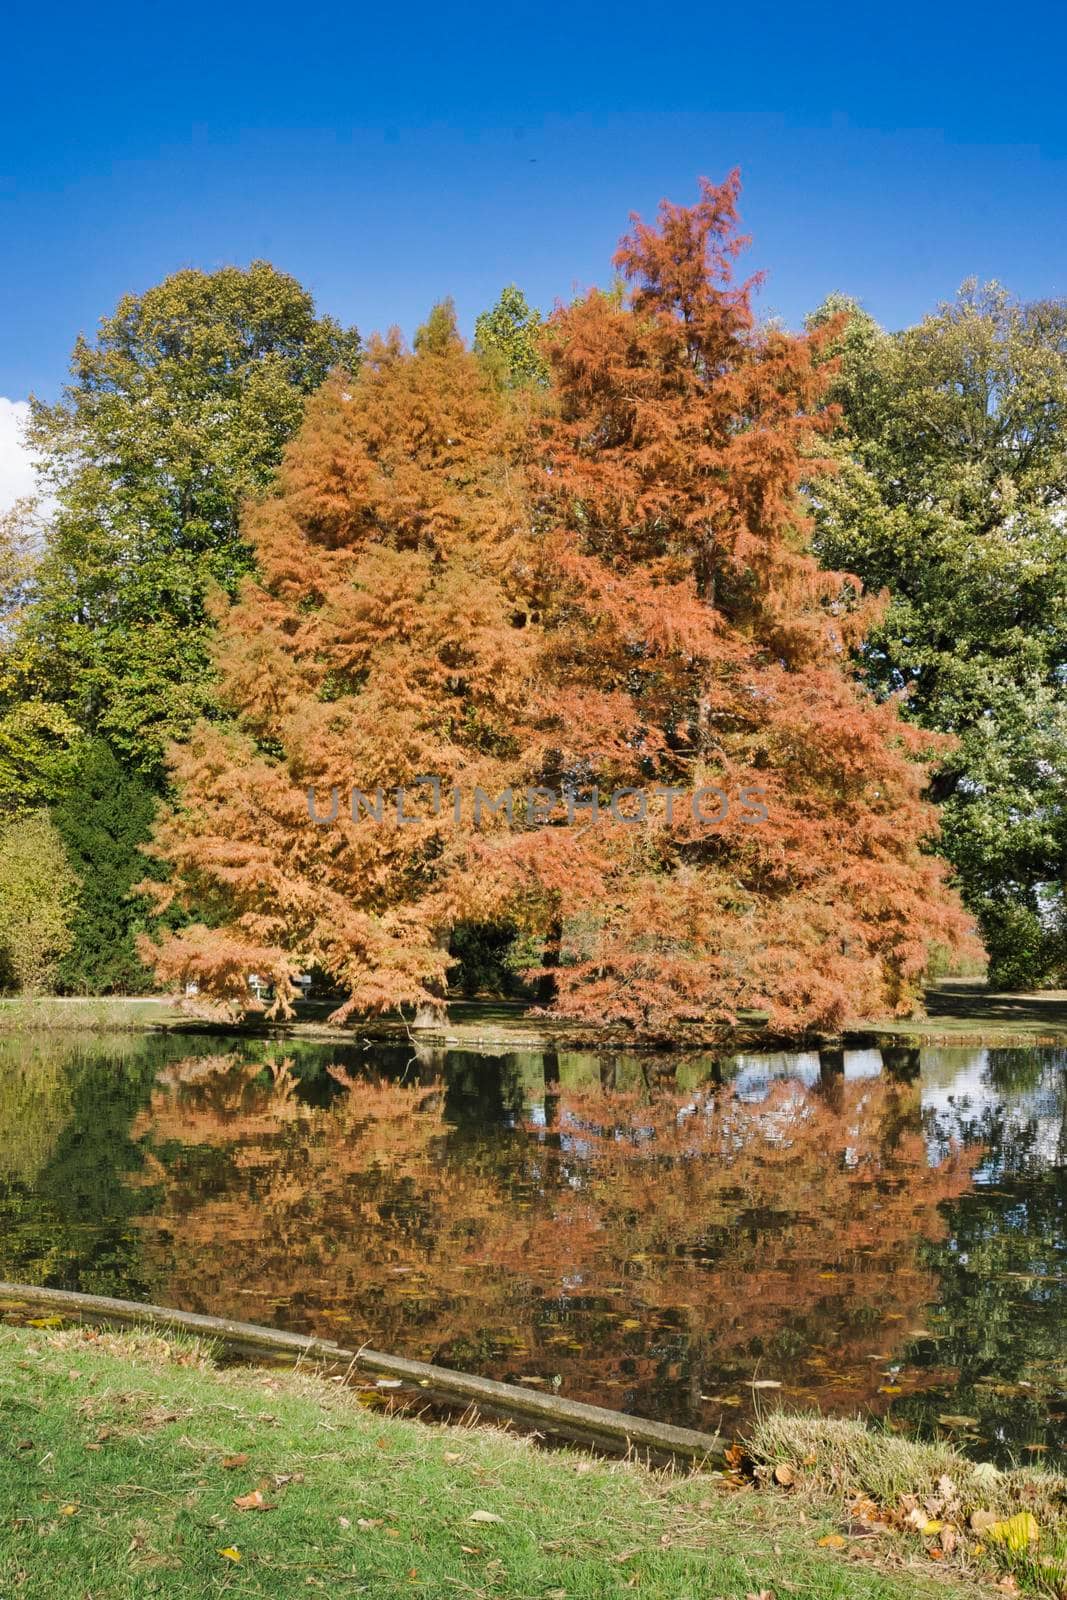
(253, 1502)
(764, 1383)
(230, 1462)
(68, 1511)
(1016, 1532)
(452, 1456)
(832, 1541)
(784, 1474)
(231, 1553)
(368, 1522)
(981, 1520)
(484, 1516)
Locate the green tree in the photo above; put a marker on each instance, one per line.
(952, 494)
(37, 740)
(103, 818)
(38, 899)
(507, 337)
(175, 415)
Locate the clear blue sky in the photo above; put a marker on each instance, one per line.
(388, 156)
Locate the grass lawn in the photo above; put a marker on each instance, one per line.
(125, 1460)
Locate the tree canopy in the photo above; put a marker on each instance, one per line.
(951, 494)
(175, 415)
(598, 586)
(508, 336)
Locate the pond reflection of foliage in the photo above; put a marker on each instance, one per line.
(656, 1252)
(65, 1207)
(1001, 1326)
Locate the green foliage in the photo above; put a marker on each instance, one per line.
(38, 749)
(484, 957)
(38, 897)
(36, 740)
(103, 818)
(507, 337)
(439, 333)
(175, 415)
(952, 493)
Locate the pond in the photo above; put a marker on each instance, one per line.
(683, 1238)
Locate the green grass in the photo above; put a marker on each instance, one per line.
(113, 1484)
(52, 1014)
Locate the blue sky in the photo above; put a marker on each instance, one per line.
(389, 156)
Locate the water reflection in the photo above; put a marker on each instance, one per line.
(661, 1236)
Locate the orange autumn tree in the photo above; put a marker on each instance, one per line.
(378, 645)
(603, 586)
(690, 640)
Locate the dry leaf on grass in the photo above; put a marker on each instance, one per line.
(253, 1502)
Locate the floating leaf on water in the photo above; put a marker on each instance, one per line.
(764, 1383)
(949, 1419)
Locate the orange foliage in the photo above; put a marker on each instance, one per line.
(690, 640)
(377, 645)
(605, 587)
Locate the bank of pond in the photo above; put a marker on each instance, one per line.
(686, 1238)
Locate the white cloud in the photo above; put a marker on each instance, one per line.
(16, 467)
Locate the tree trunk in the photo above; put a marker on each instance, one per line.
(433, 1013)
(547, 987)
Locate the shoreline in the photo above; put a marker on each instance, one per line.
(959, 1015)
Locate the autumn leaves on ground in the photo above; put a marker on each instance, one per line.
(130, 1468)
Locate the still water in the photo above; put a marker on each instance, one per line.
(677, 1237)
